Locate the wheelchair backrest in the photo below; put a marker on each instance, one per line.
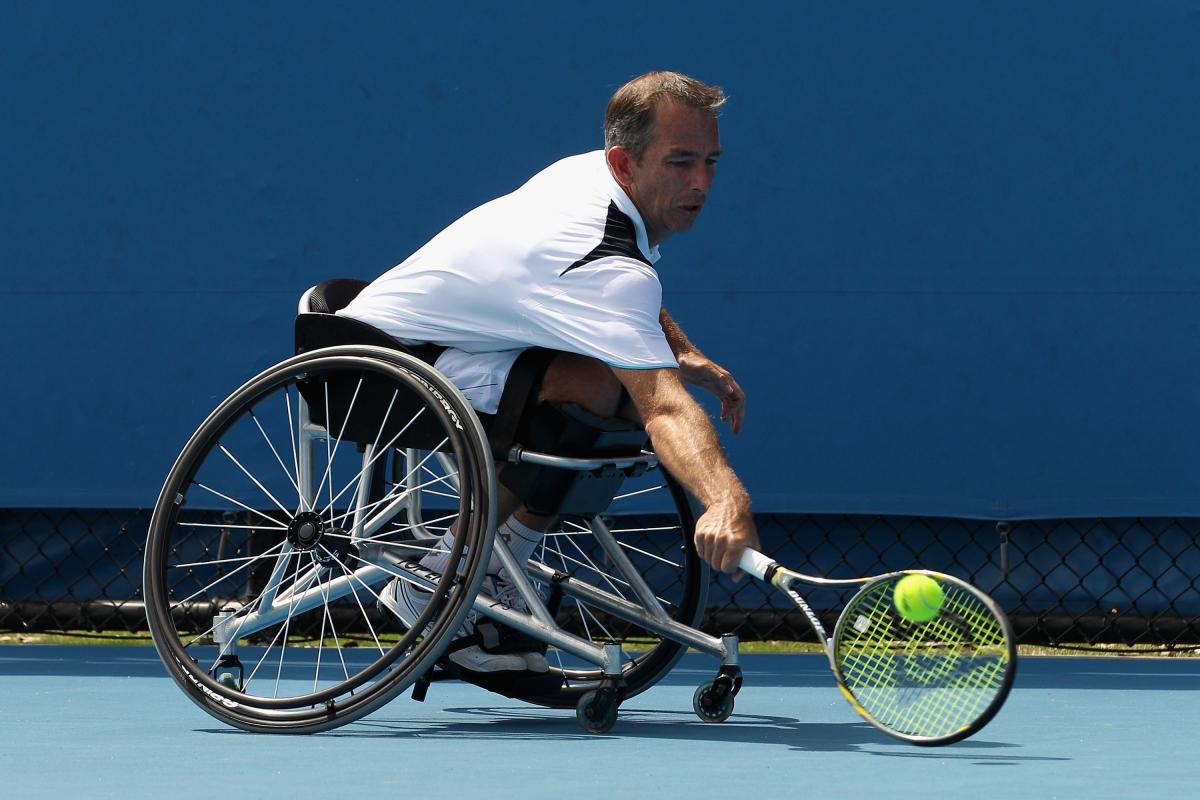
(330, 296)
(351, 404)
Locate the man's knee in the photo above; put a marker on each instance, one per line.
(584, 381)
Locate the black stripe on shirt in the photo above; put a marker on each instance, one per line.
(620, 239)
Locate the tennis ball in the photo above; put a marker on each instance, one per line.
(918, 598)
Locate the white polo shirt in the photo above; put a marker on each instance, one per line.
(562, 263)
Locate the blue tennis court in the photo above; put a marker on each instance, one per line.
(107, 722)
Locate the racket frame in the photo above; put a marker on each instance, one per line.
(770, 571)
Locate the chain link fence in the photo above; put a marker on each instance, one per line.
(1123, 582)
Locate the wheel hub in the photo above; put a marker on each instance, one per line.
(306, 530)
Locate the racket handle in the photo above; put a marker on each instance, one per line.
(757, 564)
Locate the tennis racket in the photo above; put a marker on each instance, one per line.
(928, 683)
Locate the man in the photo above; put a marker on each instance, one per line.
(566, 263)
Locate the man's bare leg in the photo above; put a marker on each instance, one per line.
(570, 378)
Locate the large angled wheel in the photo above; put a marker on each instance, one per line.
(281, 524)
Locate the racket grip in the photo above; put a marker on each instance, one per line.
(756, 564)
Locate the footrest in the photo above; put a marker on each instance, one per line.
(509, 684)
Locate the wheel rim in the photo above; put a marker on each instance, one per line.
(290, 558)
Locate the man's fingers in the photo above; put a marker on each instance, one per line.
(731, 558)
(733, 395)
(708, 548)
(721, 538)
(704, 543)
(735, 412)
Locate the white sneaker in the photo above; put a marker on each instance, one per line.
(407, 601)
(509, 597)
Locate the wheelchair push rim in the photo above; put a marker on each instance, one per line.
(284, 568)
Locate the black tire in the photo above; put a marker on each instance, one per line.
(238, 526)
(597, 710)
(662, 548)
(712, 703)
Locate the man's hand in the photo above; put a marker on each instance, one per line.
(723, 532)
(697, 369)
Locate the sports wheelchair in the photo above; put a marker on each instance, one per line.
(334, 472)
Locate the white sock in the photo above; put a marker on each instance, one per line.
(439, 557)
(522, 541)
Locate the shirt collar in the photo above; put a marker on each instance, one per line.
(626, 205)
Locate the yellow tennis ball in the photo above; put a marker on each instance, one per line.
(918, 598)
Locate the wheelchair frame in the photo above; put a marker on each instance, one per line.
(215, 688)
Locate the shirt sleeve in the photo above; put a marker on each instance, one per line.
(608, 310)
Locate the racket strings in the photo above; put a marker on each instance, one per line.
(926, 680)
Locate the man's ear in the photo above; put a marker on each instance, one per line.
(620, 163)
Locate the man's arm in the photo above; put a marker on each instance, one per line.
(687, 445)
(676, 338)
(697, 369)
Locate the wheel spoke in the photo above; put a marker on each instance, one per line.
(387, 498)
(354, 577)
(291, 478)
(287, 621)
(245, 471)
(608, 635)
(627, 495)
(331, 453)
(294, 436)
(231, 560)
(410, 527)
(594, 568)
(648, 554)
(390, 500)
(237, 503)
(227, 576)
(376, 449)
(227, 526)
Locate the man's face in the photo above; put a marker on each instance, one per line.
(671, 180)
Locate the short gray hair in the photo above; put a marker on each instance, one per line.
(629, 118)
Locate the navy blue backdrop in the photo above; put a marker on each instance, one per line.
(952, 252)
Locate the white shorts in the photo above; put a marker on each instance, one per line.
(480, 376)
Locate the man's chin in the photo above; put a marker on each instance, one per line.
(685, 222)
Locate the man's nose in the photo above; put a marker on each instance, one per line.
(702, 178)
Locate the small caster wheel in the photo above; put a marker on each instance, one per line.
(597, 711)
(226, 679)
(713, 702)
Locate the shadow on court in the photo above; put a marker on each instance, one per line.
(483, 723)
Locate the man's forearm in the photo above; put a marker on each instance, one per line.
(686, 442)
(676, 338)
